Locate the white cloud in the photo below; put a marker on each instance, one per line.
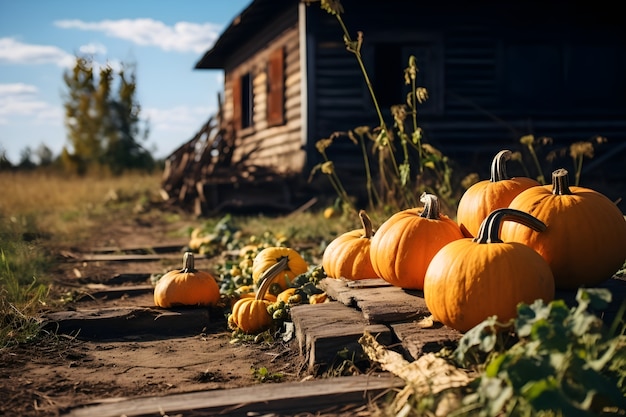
(15, 52)
(20, 100)
(179, 119)
(93, 49)
(182, 37)
(17, 88)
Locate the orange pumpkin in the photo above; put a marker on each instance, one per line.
(348, 255)
(485, 196)
(249, 314)
(404, 244)
(470, 280)
(585, 242)
(270, 256)
(186, 287)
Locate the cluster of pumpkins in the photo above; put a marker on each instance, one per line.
(251, 312)
(514, 241)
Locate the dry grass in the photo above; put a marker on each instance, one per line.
(68, 206)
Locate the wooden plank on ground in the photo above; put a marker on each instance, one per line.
(313, 396)
(110, 292)
(379, 303)
(324, 330)
(175, 245)
(94, 257)
(128, 277)
(110, 323)
(417, 340)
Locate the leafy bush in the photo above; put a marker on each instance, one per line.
(562, 360)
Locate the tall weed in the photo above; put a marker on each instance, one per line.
(407, 166)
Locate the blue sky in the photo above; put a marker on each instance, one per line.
(39, 40)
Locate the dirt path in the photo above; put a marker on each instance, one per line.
(47, 377)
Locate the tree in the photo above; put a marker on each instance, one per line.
(44, 155)
(26, 159)
(5, 164)
(103, 128)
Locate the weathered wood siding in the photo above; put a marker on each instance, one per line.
(279, 147)
(473, 44)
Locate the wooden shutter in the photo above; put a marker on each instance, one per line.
(276, 88)
(236, 88)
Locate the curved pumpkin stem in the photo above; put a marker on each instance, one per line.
(268, 277)
(560, 182)
(366, 222)
(489, 231)
(431, 206)
(498, 166)
(188, 263)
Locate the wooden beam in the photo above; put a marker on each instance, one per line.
(308, 396)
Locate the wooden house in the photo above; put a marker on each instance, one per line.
(494, 71)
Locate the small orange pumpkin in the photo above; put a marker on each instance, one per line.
(404, 244)
(268, 257)
(470, 280)
(186, 287)
(585, 242)
(485, 196)
(348, 255)
(249, 314)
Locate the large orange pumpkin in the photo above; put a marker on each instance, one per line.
(186, 287)
(404, 244)
(585, 242)
(485, 196)
(348, 255)
(470, 280)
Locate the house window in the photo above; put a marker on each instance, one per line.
(390, 61)
(246, 100)
(242, 101)
(276, 88)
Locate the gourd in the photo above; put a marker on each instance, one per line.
(285, 295)
(485, 196)
(348, 255)
(404, 244)
(469, 280)
(269, 256)
(186, 287)
(585, 242)
(249, 314)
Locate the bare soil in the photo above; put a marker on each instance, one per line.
(57, 372)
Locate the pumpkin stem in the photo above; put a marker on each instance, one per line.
(489, 231)
(498, 166)
(560, 182)
(268, 277)
(367, 224)
(431, 206)
(188, 263)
